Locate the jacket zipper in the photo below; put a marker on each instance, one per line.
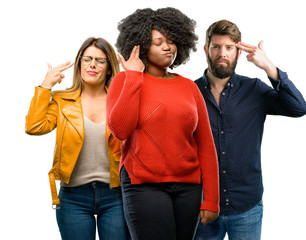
(60, 158)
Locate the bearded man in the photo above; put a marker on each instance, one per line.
(237, 107)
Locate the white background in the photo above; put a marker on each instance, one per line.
(36, 32)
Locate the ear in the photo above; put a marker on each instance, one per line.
(205, 50)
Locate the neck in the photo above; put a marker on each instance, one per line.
(217, 83)
(159, 72)
(93, 91)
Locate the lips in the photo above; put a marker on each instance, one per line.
(92, 72)
(222, 62)
(169, 54)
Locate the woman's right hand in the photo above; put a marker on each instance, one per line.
(55, 75)
(134, 62)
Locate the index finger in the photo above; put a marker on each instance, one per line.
(245, 47)
(64, 66)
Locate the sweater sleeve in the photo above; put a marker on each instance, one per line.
(208, 158)
(122, 103)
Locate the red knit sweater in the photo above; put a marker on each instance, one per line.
(166, 129)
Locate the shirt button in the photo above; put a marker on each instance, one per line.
(222, 132)
(224, 171)
(224, 190)
(223, 153)
(223, 93)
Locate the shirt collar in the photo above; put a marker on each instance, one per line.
(232, 82)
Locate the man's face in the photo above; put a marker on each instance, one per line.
(222, 56)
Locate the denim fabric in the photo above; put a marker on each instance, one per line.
(87, 206)
(161, 211)
(244, 226)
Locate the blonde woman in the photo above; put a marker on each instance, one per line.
(86, 157)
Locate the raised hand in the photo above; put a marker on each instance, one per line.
(134, 62)
(257, 55)
(55, 75)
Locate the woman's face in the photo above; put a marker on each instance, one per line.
(162, 51)
(94, 66)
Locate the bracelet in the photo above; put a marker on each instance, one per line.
(44, 87)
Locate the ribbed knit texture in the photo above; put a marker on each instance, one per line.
(92, 164)
(166, 129)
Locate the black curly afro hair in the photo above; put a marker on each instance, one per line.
(136, 29)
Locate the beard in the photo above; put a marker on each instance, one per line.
(219, 70)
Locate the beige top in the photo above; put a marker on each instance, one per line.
(92, 163)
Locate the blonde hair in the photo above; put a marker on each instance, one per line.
(110, 53)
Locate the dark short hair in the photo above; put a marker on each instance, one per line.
(223, 27)
(136, 29)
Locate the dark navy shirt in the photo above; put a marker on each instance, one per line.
(237, 125)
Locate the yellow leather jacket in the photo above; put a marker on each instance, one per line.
(64, 112)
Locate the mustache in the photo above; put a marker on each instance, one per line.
(221, 59)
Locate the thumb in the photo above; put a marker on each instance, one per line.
(49, 67)
(121, 58)
(260, 45)
(122, 61)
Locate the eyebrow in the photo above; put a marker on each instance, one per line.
(93, 57)
(227, 45)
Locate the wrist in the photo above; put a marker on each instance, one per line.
(45, 87)
(272, 72)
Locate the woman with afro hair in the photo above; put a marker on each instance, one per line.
(168, 152)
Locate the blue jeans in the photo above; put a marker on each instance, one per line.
(244, 226)
(79, 206)
(161, 211)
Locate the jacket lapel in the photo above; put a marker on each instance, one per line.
(72, 110)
